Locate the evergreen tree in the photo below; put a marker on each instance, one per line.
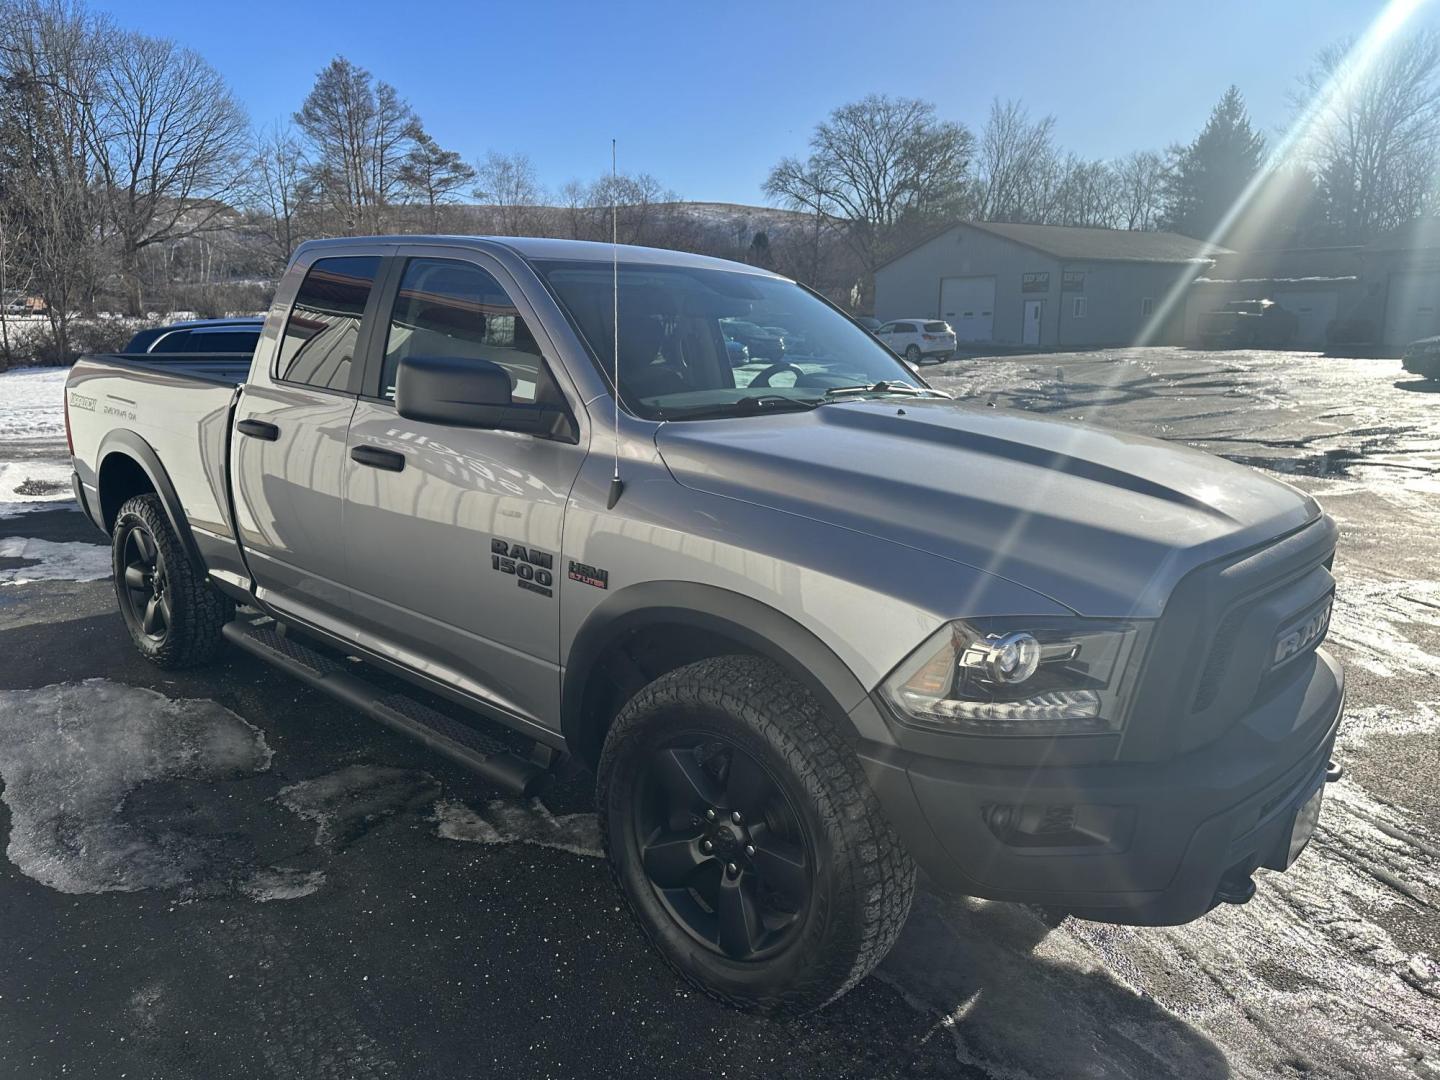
(1208, 175)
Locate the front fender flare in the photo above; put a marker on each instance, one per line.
(751, 623)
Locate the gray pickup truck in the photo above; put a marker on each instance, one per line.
(811, 623)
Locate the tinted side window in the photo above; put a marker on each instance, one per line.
(451, 308)
(209, 341)
(318, 347)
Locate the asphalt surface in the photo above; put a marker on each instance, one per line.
(220, 873)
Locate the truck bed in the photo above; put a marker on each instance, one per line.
(229, 369)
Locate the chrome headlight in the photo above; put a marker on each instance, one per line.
(1017, 677)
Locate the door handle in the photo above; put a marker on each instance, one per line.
(258, 429)
(377, 458)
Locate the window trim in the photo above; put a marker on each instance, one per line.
(359, 363)
(1079, 307)
(388, 291)
(1147, 306)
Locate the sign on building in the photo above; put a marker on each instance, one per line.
(1035, 281)
(1073, 281)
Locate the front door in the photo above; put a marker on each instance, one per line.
(453, 534)
(1031, 331)
(288, 445)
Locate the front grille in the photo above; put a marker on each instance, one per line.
(1212, 675)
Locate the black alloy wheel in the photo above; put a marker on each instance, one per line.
(144, 596)
(723, 848)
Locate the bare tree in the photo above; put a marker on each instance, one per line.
(1140, 189)
(1017, 165)
(435, 176)
(170, 143)
(1087, 194)
(277, 192)
(507, 183)
(359, 134)
(1375, 140)
(881, 164)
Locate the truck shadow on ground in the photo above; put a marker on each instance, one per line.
(1023, 999)
(1418, 386)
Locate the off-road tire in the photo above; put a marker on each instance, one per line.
(198, 610)
(863, 879)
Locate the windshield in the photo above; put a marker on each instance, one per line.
(700, 343)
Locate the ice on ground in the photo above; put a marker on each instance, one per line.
(34, 485)
(347, 803)
(1367, 620)
(507, 822)
(281, 883)
(32, 404)
(49, 560)
(70, 756)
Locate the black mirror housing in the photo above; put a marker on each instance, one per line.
(470, 392)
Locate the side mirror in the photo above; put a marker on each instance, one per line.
(469, 392)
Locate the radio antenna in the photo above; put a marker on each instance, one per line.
(616, 484)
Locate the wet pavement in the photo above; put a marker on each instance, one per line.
(222, 873)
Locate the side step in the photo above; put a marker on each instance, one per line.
(459, 742)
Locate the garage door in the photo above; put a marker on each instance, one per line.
(1412, 309)
(1313, 309)
(968, 305)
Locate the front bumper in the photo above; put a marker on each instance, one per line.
(1143, 843)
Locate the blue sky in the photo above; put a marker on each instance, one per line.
(708, 96)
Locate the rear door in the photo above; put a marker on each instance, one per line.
(288, 446)
(453, 534)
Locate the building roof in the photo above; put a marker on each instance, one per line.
(1069, 242)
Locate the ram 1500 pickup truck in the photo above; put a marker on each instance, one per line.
(811, 623)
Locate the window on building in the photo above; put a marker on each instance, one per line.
(450, 308)
(318, 347)
(1078, 307)
(1147, 306)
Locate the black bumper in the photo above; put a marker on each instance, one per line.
(1143, 843)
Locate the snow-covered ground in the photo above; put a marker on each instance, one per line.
(31, 403)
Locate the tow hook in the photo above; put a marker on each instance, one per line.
(1235, 889)
(1334, 772)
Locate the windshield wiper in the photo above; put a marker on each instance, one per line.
(881, 387)
(746, 406)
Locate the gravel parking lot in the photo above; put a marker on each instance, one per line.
(222, 873)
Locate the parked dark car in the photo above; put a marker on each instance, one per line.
(239, 335)
(868, 322)
(763, 343)
(1423, 358)
(1248, 324)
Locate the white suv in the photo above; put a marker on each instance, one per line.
(918, 339)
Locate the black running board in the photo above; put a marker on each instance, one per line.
(459, 742)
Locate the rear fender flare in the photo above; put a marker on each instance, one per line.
(130, 445)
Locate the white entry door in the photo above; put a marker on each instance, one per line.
(968, 305)
(1030, 333)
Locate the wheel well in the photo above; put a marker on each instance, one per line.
(634, 659)
(121, 479)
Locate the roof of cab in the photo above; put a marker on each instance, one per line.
(541, 248)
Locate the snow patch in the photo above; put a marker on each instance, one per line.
(32, 403)
(34, 485)
(281, 883)
(71, 754)
(49, 560)
(347, 803)
(508, 822)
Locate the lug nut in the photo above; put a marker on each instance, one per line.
(709, 815)
(750, 850)
(706, 846)
(732, 869)
(735, 817)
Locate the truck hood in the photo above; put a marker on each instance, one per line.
(1103, 522)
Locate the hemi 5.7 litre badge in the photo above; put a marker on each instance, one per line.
(531, 569)
(589, 575)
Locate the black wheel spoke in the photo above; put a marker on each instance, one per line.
(162, 609)
(740, 927)
(149, 621)
(135, 577)
(672, 859)
(687, 784)
(145, 546)
(781, 866)
(746, 785)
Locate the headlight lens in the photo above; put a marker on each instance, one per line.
(1017, 677)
